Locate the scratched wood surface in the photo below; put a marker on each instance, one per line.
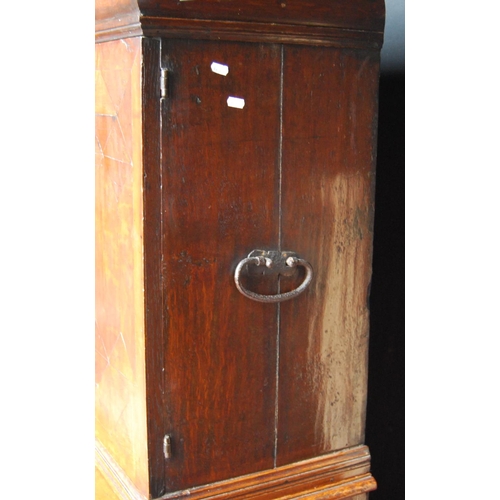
(120, 397)
(328, 178)
(219, 202)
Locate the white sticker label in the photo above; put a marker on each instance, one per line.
(220, 69)
(236, 102)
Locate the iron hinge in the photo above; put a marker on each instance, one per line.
(167, 446)
(163, 83)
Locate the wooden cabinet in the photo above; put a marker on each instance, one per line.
(223, 128)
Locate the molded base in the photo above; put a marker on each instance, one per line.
(340, 475)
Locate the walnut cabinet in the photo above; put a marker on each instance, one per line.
(235, 154)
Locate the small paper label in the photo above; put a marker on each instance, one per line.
(220, 69)
(236, 102)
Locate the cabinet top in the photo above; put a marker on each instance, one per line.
(317, 22)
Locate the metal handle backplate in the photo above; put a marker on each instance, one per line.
(271, 262)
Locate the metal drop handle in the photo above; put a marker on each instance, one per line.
(274, 263)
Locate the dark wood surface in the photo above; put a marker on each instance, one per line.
(355, 14)
(366, 15)
(247, 31)
(220, 201)
(340, 475)
(292, 170)
(152, 183)
(355, 23)
(328, 175)
(242, 388)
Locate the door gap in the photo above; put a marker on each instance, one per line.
(280, 218)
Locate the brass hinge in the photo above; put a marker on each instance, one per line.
(163, 82)
(167, 446)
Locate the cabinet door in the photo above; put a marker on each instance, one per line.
(249, 386)
(220, 176)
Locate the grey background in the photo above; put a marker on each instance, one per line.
(393, 50)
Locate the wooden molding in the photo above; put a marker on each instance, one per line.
(260, 32)
(356, 24)
(104, 34)
(352, 14)
(114, 474)
(338, 475)
(241, 32)
(116, 19)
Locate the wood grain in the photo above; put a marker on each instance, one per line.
(154, 318)
(328, 160)
(358, 23)
(112, 483)
(219, 202)
(103, 490)
(116, 19)
(261, 401)
(203, 29)
(120, 397)
(355, 14)
(337, 475)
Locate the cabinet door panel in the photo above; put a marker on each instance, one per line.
(329, 116)
(220, 200)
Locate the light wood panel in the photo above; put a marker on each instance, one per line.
(103, 490)
(120, 395)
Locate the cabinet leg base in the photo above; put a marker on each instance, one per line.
(344, 474)
(340, 475)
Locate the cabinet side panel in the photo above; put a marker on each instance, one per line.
(120, 366)
(330, 99)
